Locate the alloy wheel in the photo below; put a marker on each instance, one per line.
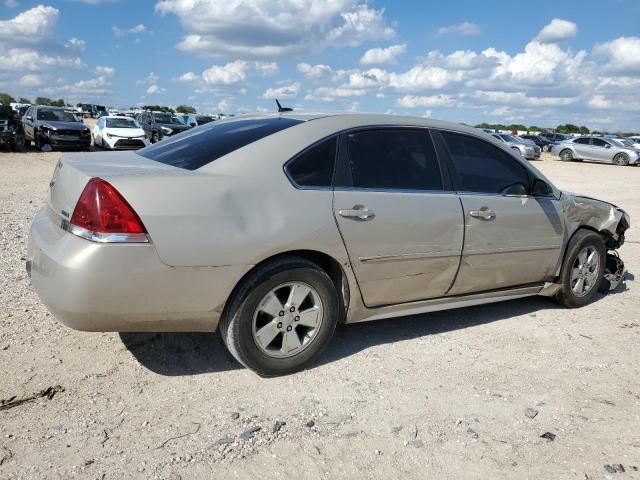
(585, 271)
(287, 319)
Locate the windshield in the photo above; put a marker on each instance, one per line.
(52, 115)
(511, 139)
(167, 118)
(122, 122)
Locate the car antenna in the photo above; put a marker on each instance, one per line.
(283, 109)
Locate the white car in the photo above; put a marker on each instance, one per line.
(119, 133)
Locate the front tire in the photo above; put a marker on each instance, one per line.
(621, 159)
(582, 269)
(282, 316)
(566, 155)
(155, 137)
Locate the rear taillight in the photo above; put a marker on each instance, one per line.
(103, 215)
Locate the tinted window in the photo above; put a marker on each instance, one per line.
(197, 147)
(314, 168)
(393, 159)
(484, 168)
(598, 142)
(582, 141)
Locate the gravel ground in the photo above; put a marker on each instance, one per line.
(443, 395)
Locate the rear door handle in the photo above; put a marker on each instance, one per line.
(485, 213)
(357, 212)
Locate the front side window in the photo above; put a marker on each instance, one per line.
(314, 167)
(397, 159)
(200, 146)
(582, 141)
(484, 168)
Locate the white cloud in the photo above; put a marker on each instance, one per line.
(383, 55)
(557, 31)
(105, 71)
(31, 80)
(623, 54)
(266, 68)
(465, 28)
(10, 3)
(155, 90)
(315, 72)
(121, 32)
(266, 28)
(224, 105)
(149, 79)
(331, 94)
(76, 44)
(284, 92)
(412, 101)
(34, 26)
(27, 60)
(233, 73)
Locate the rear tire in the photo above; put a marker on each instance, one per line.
(582, 269)
(267, 289)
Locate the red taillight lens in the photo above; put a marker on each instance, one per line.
(101, 209)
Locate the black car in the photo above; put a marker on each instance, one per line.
(10, 129)
(158, 125)
(55, 126)
(553, 137)
(543, 143)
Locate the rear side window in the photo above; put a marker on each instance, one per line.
(314, 167)
(582, 141)
(395, 159)
(198, 147)
(484, 168)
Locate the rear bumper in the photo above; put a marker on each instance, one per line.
(118, 287)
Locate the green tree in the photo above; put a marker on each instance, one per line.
(157, 108)
(24, 100)
(185, 109)
(583, 130)
(44, 101)
(6, 99)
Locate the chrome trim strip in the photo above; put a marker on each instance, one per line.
(107, 237)
(446, 303)
(508, 250)
(406, 256)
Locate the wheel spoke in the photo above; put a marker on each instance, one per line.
(290, 342)
(591, 259)
(310, 317)
(297, 294)
(271, 305)
(267, 334)
(575, 274)
(578, 288)
(582, 257)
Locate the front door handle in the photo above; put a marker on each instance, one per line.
(357, 212)
(485, 213)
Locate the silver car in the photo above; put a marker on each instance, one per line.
(524, 147)
(596, 149)
(275, 228)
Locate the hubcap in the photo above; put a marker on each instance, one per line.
(585, 271)
(287, 319)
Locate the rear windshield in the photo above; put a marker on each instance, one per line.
(198, 147)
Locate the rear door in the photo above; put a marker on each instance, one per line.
(582, 146)
(401, 224)
(511, 238)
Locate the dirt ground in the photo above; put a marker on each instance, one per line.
(431, 396)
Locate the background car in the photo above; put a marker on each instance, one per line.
(158, 125)
(119, 133)
(543, 143)
(195, 120)
(55, 126)
(526, 148)
(553, 137)
(11, 132)
(596, 149)
(242, 225)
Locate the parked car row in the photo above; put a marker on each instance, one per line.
(598, 149)
(526, 148)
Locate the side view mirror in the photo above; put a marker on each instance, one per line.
(29, 117)
(541, 189)
(607, 146)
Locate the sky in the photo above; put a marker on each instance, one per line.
(540, 63)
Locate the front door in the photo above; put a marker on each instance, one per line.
(601, 150)
(402, 230)
(511, 237)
